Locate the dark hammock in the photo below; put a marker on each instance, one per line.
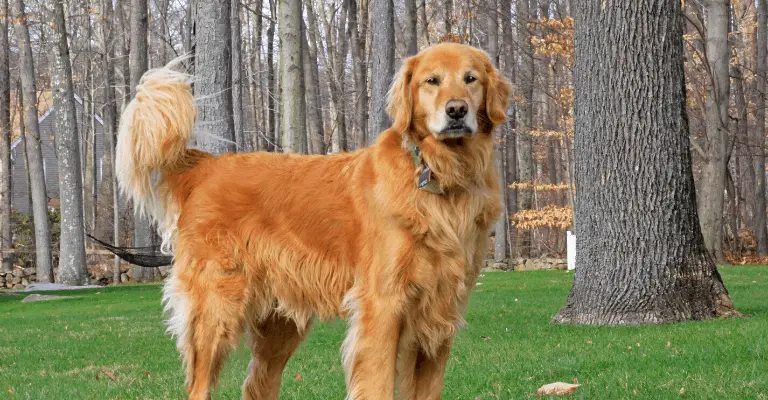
(149, 257)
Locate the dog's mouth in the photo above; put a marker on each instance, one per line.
(455, 129)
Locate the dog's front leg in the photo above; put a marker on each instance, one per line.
(370, 349)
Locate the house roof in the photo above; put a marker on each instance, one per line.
(49, 111)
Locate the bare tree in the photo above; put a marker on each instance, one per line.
(382, 64)
(271, 135)
(760, 228)
(525, 81)
(122, 56)
(237, 83)
(214, 129)
(315, 128)
(5, 140)
(717, 147)
(72, 269)
(292, 77)
(410, 24)
(357, 37)
(34, 152)
(109, 114)
(139, 63)
(652, 267)
(500, 248)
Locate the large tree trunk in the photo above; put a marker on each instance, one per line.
(109, 216)
(213, 73)
(640, 255)
(500, 247)
(717, 150)
(254, 67)
(315, 127)
(34, 151)
(357, 36)
(122, 56)
(142, 228)
(292, 77)
(237, 84)
(424, 22)
(72, 269)
(5, 141)
(382, 64)
(271, 134)
(525, 76)
(761, 230)
(90, 172)
(410, 24)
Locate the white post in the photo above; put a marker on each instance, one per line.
(570, 241)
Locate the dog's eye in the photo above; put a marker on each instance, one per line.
(469, 79)
(433, 81)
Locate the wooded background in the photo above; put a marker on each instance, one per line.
(311, 76)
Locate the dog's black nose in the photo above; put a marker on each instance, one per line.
(456, 109)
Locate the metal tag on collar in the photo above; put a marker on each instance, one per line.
(426, 182)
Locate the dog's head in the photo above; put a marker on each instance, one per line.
(449, 91)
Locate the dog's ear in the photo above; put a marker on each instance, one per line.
(496, 96)
(399, 98)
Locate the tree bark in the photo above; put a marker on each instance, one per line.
(500, 245)
(237, 83)
(509, 129)
(410, 25)
(6, 235)
(256, 91)
(213, 72)
(357, 36)
(382, 64)
(424, 22)
(315, 127)
(272, 133)
(109, 216)
(292, 77)
(640, 257)
(142, 227)
(760, 228)
(525, 76)
(717, 149)
(34, 151)
(123, 55)
(90, 174)
(72, 268)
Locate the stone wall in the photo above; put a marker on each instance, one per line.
(100, 274)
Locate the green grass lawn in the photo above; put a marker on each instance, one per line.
(61, 349)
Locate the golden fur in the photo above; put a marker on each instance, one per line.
(265, 242)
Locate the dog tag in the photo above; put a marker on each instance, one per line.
(426, 182)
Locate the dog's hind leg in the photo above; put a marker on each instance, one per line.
(272, 343)
(213, 323)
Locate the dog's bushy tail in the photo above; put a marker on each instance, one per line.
(154, 132)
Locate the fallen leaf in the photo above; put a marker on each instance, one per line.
(298, 377)
(109, 374)
(683, 392)
(629, 347)
(575, 380)
(669, 343)
(10, 391)
(556, 389)
(589, 342)
(486, 338)
(147, 374)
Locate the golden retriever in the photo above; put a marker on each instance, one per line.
(390, 237)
